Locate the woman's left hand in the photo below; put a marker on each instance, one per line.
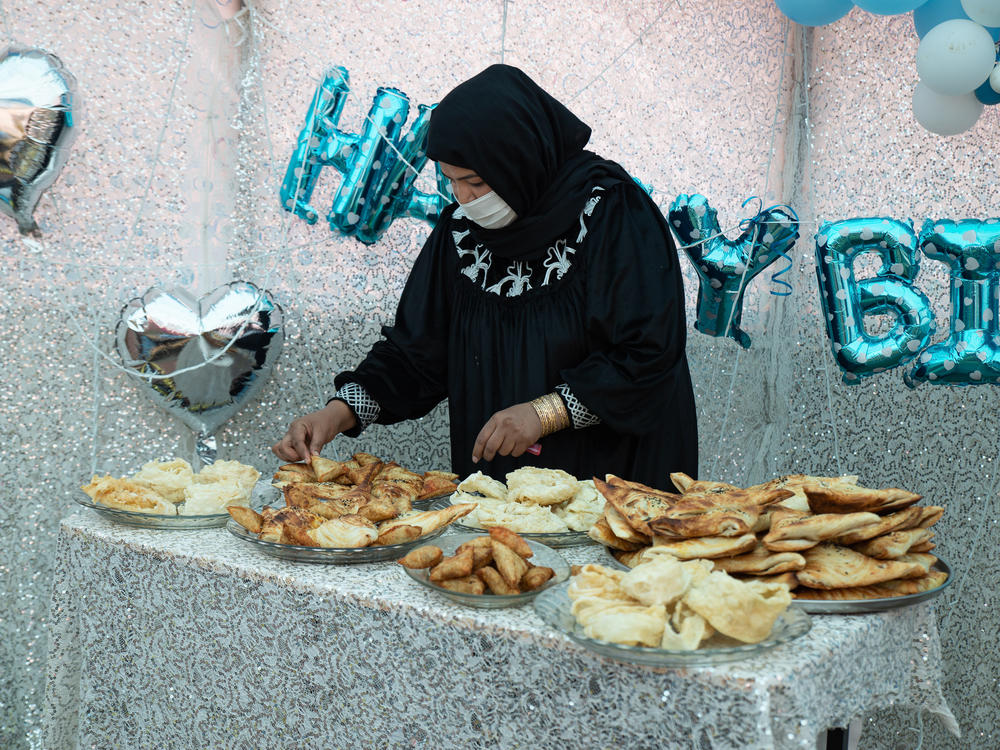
(508, 433)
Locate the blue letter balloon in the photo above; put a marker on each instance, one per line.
(726, 267)
(846, 300)
(971, 353)
(378, 167)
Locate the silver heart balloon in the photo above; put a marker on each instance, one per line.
(37, 125)
(201, 359)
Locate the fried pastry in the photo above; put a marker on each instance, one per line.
(744, 610)
(469, 584)
(346, 531)
(248, 518)
(535, 577)
(325, 469)
(422, 557)
(429, 520)
(620, 528)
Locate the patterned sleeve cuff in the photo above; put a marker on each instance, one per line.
(580, 414)
(365, 408)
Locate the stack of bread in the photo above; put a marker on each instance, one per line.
(825, 537)
(533, 501)
(173, 488)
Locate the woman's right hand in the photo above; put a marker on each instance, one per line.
(307, 435)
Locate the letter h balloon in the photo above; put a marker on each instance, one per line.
(379, 166)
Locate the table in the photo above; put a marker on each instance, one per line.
(174, 639)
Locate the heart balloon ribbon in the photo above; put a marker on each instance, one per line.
(201, 359)
(726, 267)
(37, 125)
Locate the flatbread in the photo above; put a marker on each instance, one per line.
(853, 499)
(785, 579)
(744, 610)
(929, 516)
(795, 483)
(620, 528)
(895, 544)
(791, 534)
(637, 503)
(829, 566)
(887, 590)
(902, 519)
(705, 515)
(686, 484)
(708, 547)
(601, 533)
(761, 561)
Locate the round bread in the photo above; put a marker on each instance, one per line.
(536, 486)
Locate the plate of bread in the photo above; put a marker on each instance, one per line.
(671, 612)
(362, 512)
(491, 571)
(170, 494)
(840, 547)
(548, 506)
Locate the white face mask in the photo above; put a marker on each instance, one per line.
(489, 211)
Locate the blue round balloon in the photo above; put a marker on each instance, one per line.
(888, 7)
(986, 94)
(933, 12)
(812, 13)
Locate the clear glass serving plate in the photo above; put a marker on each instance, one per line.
(553, 607)
(263, 494)
(331, 555)
(860, 606)
(555, 539)
(543, 556)
(843, 606)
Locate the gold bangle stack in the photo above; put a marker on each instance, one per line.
(552, 413)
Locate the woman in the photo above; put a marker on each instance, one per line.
(546, 306)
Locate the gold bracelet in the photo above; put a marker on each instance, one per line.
(552, 413)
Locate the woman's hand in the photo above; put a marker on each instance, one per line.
(307, 435)
(508, 433)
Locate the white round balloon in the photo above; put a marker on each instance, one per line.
(956, 57)
(986, 12)
(945, 114)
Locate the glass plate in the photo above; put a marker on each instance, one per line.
(263, 493)
(553, 606)
(332, 555)
(543, 556)
(556, 539)
(858, 606)
(841, 607)
(433, 503)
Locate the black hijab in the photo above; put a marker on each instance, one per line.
(528, 147)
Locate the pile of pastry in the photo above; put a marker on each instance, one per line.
(172, 488)
(362, 502)
(494, 564)
(825, 537)
(533, 501)
(386, 477)
(672, 604)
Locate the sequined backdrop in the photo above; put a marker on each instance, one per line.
(188, 124)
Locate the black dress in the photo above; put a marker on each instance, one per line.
(601, 309)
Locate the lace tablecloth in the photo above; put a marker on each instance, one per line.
(195, 639)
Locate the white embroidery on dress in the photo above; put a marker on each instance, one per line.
(481, 262)
(587, 211)
(558, 260)
(559, 257)
(518, 278)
